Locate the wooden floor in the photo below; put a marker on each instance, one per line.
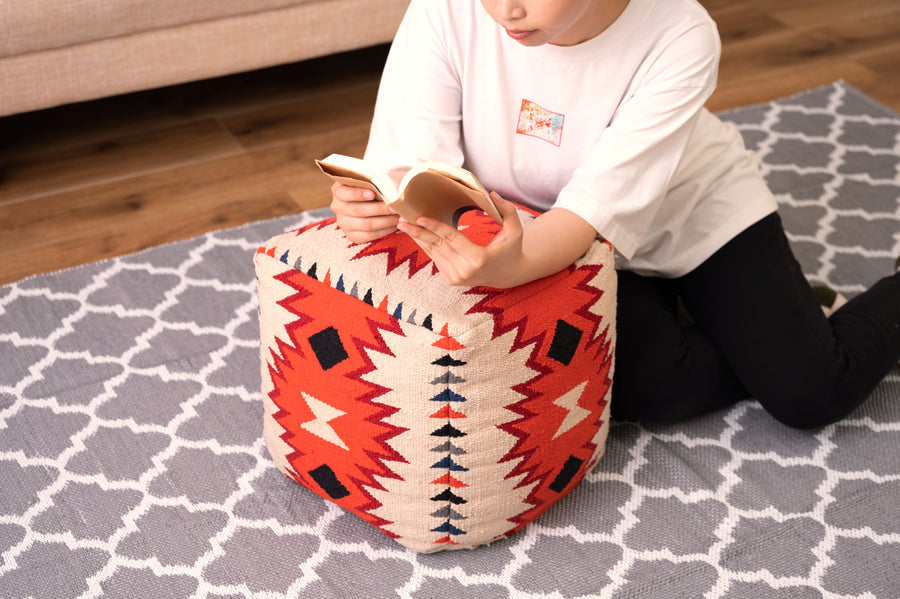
(94, 180)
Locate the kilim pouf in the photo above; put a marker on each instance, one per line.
(446, 417)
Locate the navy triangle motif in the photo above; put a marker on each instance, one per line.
(340, 283)
(448, 395)
(447, 463)
(284, 257)
(448, 528)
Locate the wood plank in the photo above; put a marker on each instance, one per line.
(775, 64)
(766, 85)
(167, 195)
(801, 49)
(114, 159)
(718, 7)
(309, 117)
(49, 131)
(311, 194)
(885, 66)
(866, 33)
(786, 51)
(814, 13)
(745, 23)
(135, 236)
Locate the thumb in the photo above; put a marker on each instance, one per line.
(507, 209)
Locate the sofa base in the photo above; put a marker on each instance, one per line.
(191, 52)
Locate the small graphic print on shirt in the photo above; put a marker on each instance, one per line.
(539, 122)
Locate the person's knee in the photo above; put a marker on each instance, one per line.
(664, 393)
(814, 407)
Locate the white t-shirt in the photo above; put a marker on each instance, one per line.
(612, 129)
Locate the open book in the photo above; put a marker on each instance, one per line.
(434, 189)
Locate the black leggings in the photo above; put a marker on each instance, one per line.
(755, 329)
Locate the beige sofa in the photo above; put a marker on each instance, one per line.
(55, 52)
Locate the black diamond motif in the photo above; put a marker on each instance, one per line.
(569, 469)
(447, 360)
(448, 430)
(325, 478)
(327, 346)
(565, 342)
(448, 495)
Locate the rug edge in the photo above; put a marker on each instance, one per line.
(874, 103)
(314, 214)
(888, 111)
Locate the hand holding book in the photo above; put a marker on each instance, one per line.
(434, 189)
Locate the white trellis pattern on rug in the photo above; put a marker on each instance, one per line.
(131, 455)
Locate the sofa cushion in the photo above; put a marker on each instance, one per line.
(447, 417)
(181, 53)
(37, 25)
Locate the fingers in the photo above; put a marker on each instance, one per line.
(347, 193)
(360, 215)
(463, 262)
(458, 259)
(432, 235)
(511, 222)
(506, 208)
(364, 231)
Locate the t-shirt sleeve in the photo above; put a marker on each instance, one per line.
(418, 110)
(620, 187)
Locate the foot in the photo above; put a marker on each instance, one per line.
(829, 299)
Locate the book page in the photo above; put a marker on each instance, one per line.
(443, 198)
(359, 174)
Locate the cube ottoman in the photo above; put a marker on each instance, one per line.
(446, 417)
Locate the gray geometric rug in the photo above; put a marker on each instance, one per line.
(132, 463)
